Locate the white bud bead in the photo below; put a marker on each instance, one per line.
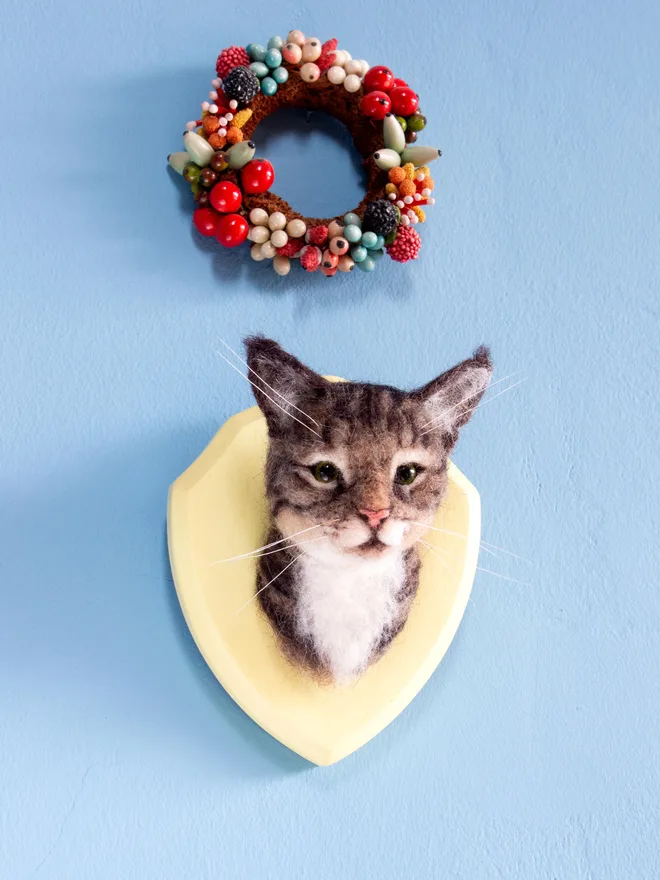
(277, 220)
(279, 238)
(296, 228)
(259, 234)
(255, 253)
(311, 49)
(282, 265)
(259, 217)
(268, 250)
(352, 83)
(336, 75)
(353, 67)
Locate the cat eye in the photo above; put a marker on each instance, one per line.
(406, 474)
(324, 472)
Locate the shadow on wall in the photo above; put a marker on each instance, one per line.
(143, 209)
(94, 616)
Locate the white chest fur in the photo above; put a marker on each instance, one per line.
(345, 605)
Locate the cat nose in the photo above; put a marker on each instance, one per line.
(375, 517)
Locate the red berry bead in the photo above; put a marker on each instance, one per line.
(228, 59)
(226, 197)
(404, 101)
(205, 220)
(231, 230)
(378, 79)
(406, 245)
(376, 105)
(400, 83)
(257, 176)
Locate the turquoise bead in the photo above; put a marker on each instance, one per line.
(380, 243)
(359, 253)
(367, 265)
(376, 254)
(369, 239)
(275, 43)
(268, 86)
(280, 75)
(255, 51)
(273, 58)
(259, 69)
(352, 219)
(352, 233)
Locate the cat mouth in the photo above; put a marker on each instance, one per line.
(373, 547)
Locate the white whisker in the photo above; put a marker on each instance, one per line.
(490, 552)
(441, 561)
(269, 583)
(485, 545)
(293, 546)
(263, 381)
(479, 567)
(465, 399)
(272, 400)
(267, 546)
(483, 403)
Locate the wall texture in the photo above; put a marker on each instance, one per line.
(533, 752)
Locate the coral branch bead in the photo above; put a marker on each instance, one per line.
(232, 230)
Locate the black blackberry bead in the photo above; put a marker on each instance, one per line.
(240, 85)
(380, 217)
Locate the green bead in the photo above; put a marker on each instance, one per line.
(402, 122)
(268, 86)
(195, 188)
(390, 238)
(416, 122)
(367, 265)
(259, 69)
(352, 219)
(192, 172)
(280, 75)
(352, 233)
(380, 243)
(256, 51)
(369, 239)
(275, 43)
(273, 58)
(359, 253)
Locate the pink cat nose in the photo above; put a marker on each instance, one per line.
(375, 517)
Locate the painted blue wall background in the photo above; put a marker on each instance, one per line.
(534, 750)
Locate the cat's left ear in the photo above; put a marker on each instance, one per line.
(450, 399)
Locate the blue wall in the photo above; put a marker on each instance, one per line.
(533, 752)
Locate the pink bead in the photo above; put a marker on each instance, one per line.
(205, 105)
(229, 116)
(213, 95)
(216, 83)
(222, 132)
(213, 108)
(292, 53)
(407, 200)
(400, 203)
(405, 221)
(296, 37)
(223, 121)
(392, 197)
(191, 126)
(233, 104)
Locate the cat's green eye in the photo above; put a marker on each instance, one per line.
(325, 472)
(406, 474)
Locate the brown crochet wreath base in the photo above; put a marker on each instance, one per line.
(344, 106)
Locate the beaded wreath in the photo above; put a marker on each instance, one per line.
(232, 188)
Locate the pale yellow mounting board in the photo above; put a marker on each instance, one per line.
(216, 510)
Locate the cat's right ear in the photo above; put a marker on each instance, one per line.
(282, 385)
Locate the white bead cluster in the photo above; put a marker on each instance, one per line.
(270, 232)
(347, 72)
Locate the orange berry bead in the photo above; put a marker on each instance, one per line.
(407, 188)
(397, 174)
(211, 124)
(234, 135)
(428, 183)
(217, 141)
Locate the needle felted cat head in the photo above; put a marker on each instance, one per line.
(354, 473)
